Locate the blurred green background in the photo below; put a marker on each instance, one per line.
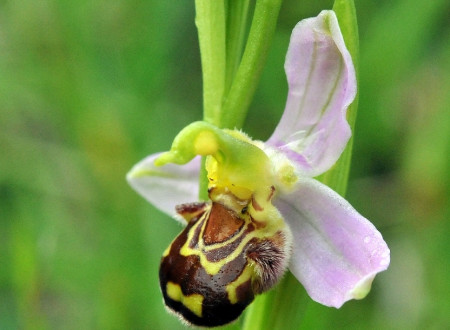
(88, 88)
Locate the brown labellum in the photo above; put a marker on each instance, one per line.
(216, 265)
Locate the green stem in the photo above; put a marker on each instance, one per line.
(210, 21)
(247, 77)
(203, 184)
(237, 14)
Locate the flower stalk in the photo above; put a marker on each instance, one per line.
(210, 22)
(236, 21)
(247, 77)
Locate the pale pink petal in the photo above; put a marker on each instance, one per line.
(168, 185)
(336, 251)
(313, 130)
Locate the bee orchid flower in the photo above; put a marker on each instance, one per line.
(267, 191)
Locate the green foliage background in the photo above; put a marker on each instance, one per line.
(88, 88)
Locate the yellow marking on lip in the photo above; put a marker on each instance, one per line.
(213, 268)
(244, 277)
(167, 251)
(192, 302)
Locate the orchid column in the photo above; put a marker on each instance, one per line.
(267, 206)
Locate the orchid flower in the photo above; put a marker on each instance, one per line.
(335, 252)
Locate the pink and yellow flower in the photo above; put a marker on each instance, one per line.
(335, 251)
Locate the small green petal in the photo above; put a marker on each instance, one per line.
(362, 289)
